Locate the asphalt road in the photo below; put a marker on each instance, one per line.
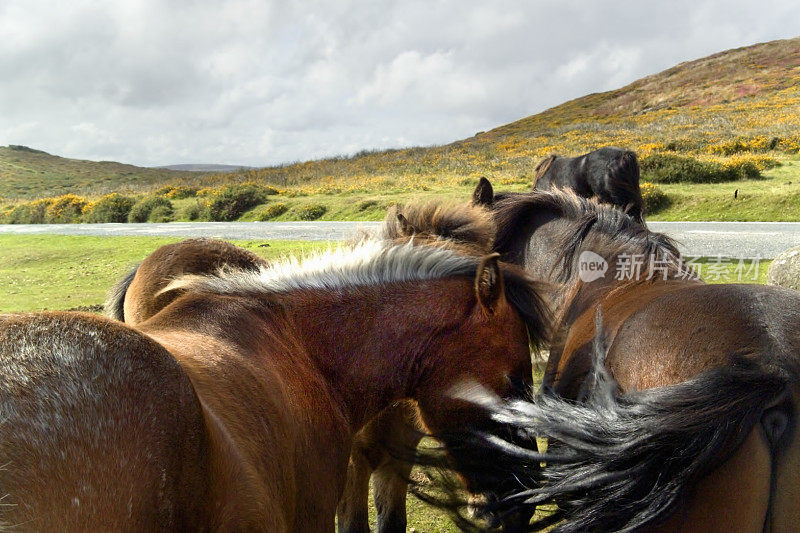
(731, 239)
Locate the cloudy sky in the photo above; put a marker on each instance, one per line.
(258, 82)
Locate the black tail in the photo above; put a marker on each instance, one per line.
(542, 168)
(617, 462)
(115, 302)
(622, 179)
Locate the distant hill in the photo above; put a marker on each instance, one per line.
(200, 167)
(30, 173)
(734, 102)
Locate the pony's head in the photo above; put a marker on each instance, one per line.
(553, 232)
(489, 350)
(466, 227)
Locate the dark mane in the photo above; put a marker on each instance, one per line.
(524, 295)
(607, 229)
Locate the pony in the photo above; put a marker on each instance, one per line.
(466, 228)
(609, 174)
(235, 406)
(140, 293)
(379, 449)
(695, 430)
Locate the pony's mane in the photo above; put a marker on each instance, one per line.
(461, 224)
(609, 230)
(374, 262)
(369, 262)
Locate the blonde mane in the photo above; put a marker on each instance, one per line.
(368, 263)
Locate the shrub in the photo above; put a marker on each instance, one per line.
(28, 213)
(271, 211)
(742, 169)
(110, 208)
(65, 209)
(231, 202)
(311, 212)
(653, 197)
(669, 168)
(176, 192)
(161, 213)
(760, 162)
(140, 212)
(193, 212)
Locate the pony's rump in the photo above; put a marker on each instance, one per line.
(100, 427)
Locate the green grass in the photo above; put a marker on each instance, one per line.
(49, 272)
(774, 198)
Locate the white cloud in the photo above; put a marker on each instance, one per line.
(257, 82)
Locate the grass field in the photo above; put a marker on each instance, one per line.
(50, 272)
(57, 272)
(774, 198)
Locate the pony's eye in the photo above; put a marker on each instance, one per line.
(775, 421)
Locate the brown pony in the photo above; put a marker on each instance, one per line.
(469, 229)
(703, 435)
(140, 294)
(235, 406)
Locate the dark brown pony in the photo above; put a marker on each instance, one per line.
(235, 406)
(696, 431)
(609, 174)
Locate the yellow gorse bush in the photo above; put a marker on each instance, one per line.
(65, 208)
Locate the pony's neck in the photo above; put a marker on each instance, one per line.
(372, 344)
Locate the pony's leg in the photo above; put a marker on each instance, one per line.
(400, 429)
(390, 487)
(352, 514)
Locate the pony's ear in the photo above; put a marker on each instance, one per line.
(489, 282)
(483, 193)
(405, 226)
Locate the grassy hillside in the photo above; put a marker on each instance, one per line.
(739, 101)
(734, 106)
(30, 173)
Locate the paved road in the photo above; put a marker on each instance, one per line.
(731, 239)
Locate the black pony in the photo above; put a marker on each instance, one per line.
(611, 174)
